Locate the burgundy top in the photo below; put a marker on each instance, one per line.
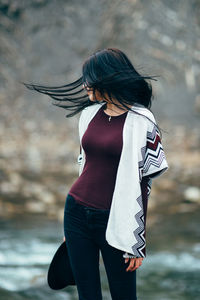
(102, 143)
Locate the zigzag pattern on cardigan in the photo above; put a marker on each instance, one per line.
(149, 186)
(141, 163)
(154, 151)
(152, 154)
(140, 231)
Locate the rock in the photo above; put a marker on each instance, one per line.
(190, 78)
(33, 158)
(38, 145)
(197, 104)
(38, 191)
(192, 194)
(184, 208)
(35, 206)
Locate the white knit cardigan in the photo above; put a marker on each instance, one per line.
(126, 225)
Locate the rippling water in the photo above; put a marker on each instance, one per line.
(27, 246)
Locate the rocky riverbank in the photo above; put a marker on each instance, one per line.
(38, 166)
(39, 147)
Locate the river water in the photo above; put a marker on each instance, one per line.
(28, 244)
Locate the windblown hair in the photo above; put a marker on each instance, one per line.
(111, 73)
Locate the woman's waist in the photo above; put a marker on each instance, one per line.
(95, 181)
(72, 204)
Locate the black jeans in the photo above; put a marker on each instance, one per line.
(84, 229)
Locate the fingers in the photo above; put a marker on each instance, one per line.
(64, 239)
(134, 264)
(131, 264)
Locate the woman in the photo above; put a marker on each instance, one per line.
(120, 153)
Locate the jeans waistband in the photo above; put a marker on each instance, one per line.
(70, 199)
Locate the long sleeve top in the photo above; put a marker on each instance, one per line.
(142, 156)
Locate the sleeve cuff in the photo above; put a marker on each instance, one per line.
(127, 255)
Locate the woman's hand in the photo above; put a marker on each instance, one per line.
(134, 263)
(64, 239)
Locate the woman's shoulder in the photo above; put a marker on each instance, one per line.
(144, 114)
(88, 112)
(91, 108)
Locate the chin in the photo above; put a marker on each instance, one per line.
(91, 98)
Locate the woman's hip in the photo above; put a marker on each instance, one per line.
(82, 216)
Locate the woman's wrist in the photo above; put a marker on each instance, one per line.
(128, 255)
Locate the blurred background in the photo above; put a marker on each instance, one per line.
(45, 42)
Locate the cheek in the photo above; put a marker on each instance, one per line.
(98, 94)
(91, 96)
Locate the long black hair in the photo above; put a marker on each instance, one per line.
(111, 73)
